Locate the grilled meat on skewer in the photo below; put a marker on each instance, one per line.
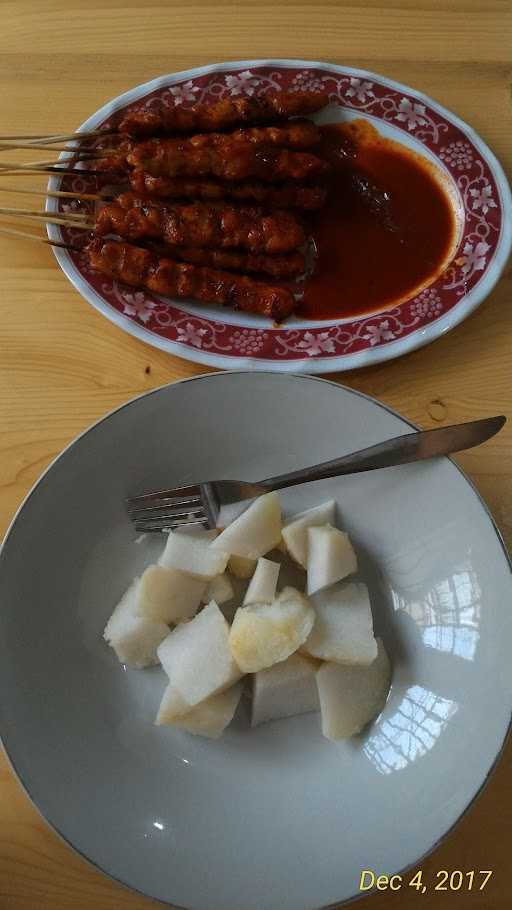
(145, 269)
(299, 134)
(201, 224)
(226, 159)
(296, 134)
(286, 196)
(221, 115)
(288, 265)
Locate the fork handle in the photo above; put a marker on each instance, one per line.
(410, 447)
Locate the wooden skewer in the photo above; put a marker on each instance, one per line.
(61, 137)
(56, 148)
(81, 216)
(24, 170)
(50, 219)
(26, 165)
(13, 232)
(54, 162)
(58, 194)
(77, 154)
(30, 165)
(34, 140)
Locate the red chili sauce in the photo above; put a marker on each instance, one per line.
(388, 225)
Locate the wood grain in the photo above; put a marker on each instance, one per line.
(62, 365)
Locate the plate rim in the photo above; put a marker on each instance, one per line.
(341, 363)
(359, 394)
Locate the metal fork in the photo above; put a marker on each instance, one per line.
(202, 504)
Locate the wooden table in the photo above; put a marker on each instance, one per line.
(63, 366)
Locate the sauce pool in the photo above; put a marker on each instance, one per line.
(388, 226)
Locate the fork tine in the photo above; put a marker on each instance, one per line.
(178, 502)
(172, 515)
(159, 524)
(190, 492)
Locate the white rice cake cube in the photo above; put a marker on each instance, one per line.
(172, 706)
(194, 555)
(169, 595)
(197, 657)
(264, 634)
(208, 718)
(219, 589)
(135, 639)
(295, 531)
(350, 697)
(263, 584)
(255, 531)
(286, 689)
(343, 628)
(331, 557)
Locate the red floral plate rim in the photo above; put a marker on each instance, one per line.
(220, 338)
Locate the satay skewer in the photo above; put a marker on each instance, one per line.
(283, 196)
(221, 114)
(287, 265)
(211, 155)
(184, 226)
(299, 135)
(142, 268)
(277, 152)
(145, 269)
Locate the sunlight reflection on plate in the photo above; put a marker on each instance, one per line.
(411, 731)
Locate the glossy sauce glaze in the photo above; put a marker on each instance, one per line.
(388, 226)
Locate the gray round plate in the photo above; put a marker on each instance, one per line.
(275, 818)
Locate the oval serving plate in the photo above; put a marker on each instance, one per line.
(276, 817)
(222, 338)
